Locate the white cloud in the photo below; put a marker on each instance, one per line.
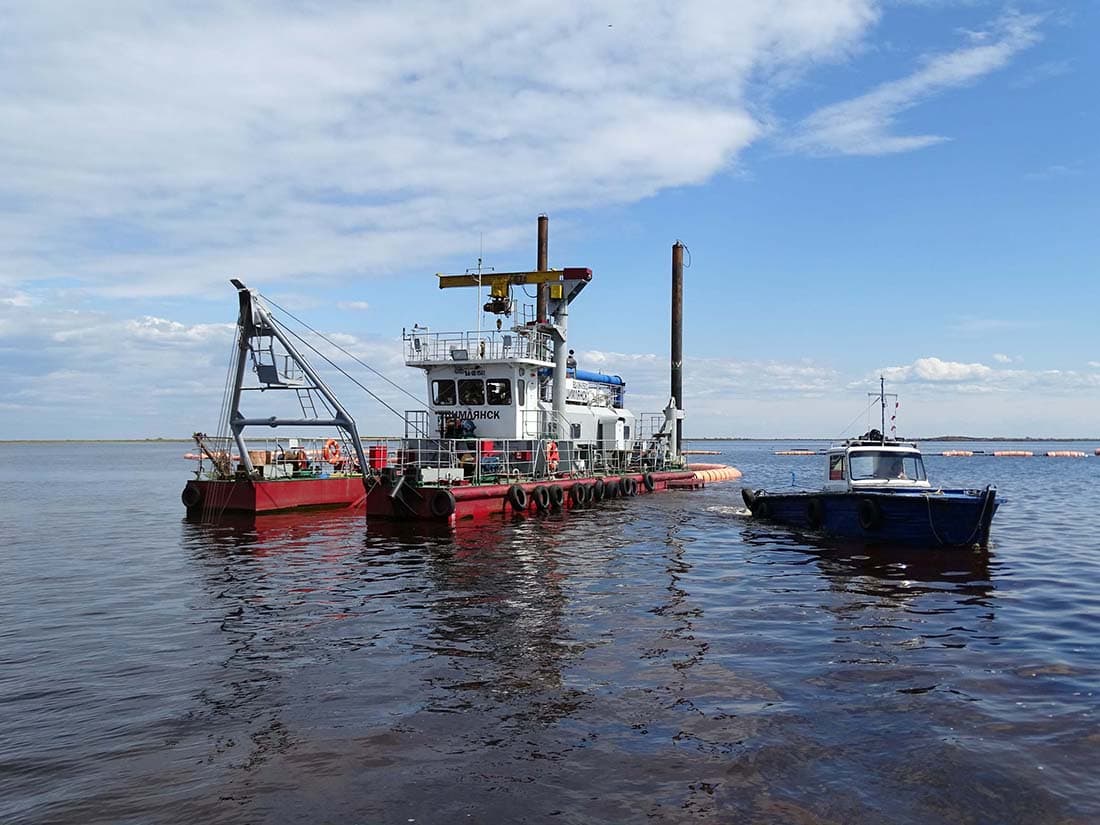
(156, 154)
(865, 125)
(935, 369)
(359, 306)
(1001, 358)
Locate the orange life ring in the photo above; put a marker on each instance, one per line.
(331, 453)
(552, 456)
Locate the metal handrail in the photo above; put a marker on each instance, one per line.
(520, 343)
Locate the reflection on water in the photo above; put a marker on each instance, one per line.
(662, 659)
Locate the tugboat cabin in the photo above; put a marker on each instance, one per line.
(874, 463)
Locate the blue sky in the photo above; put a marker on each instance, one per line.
(865, 187)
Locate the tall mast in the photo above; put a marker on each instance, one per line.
(882, 401)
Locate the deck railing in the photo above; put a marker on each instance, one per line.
(460, 347)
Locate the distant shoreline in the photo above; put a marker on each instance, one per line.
(705, 439)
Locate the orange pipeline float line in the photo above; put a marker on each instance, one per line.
(715, 472)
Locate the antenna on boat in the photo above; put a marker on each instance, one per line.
(479, 270)
(882, 395)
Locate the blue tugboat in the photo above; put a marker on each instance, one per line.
(876, 490)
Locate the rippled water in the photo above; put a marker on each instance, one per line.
(663, 659)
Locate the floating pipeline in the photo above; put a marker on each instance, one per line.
(971, 453)
(714, 472)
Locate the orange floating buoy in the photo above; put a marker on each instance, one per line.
(957, 452)
(1014, 453)
(1065, 454)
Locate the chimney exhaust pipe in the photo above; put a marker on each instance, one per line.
(677, 365)
(542, 265)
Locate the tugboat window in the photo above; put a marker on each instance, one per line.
(471, 392)
(443, 393)
(886, 466)
(521, 392)
(498, 391)
(836, 467)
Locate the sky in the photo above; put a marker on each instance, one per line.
(905, 188)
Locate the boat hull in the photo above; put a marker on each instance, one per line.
(271, 496)
(939, 518)
(389, 497)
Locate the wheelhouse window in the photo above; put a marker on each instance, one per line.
(471, 392)
(443, 393)
(836, 467)
(886, 466)
(498, 392)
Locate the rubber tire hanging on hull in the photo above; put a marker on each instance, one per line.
(598, 490)
(870, 516)
(442, 504)
(557, 496)
(191, 497)
(815, 512)
(578, 494)
(541, 497)
(517, 497)
(648, 482)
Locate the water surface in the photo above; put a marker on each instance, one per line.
(663, 659)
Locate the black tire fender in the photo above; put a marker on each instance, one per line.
(578, 494)
(517, 497)
(191, 496)
(632, 487)
(541, 497)
(870, 516)
(442, 504)
(648, 483)
(815, 512)
(598, 490)
(557, 495)
(624, 486)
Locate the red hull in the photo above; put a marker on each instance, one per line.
(418, 504)
(272, 496)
